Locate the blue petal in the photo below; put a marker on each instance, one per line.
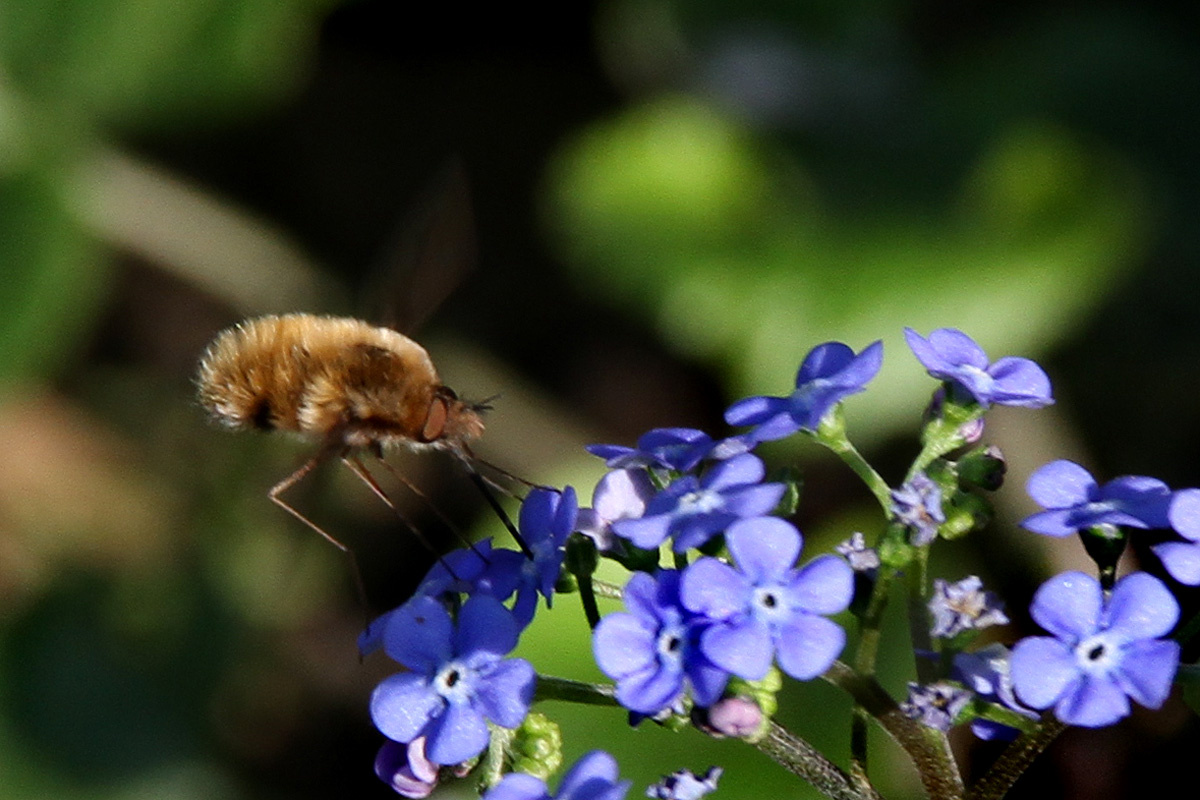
(753, 500)
(1059, 522)
(651, 690)
(564, 516)
(956, 348)
(1068, 605)
(808, 645)
(1147, 499)
(823, 361)
(486, 625)
(708, 680)
(755, 410)
(743, 648)
(713, 589)
(929, 357)
(591, 772)
(458, 734)
(1148, 669)
(765, 548)
(1042, 669)
(862, 369)
(695, 530)
(505, 692)
(402, 704)
(646, 532)
(646, 596)
(1182, 561)
(418, 634)
(1184, 513)
(1141, 607)
(823, 586)
(746, 468)
(622, 493)
(623, 645)
(780, 426)
(1093, 703)
(1061, 484)
(1020, 382)
(518, 786)
(537, 512)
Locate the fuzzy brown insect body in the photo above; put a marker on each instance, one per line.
(349, 384)
(341, 380)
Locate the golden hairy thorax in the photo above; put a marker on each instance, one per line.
(334, 378)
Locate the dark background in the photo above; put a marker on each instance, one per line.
(673, 202)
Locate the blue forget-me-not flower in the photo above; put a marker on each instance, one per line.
(1074, 501)
(692, 510)
(829, 373)
(458, 677)
(547, 519)
(1182, 559)
(951, 355)
(652, 650)
(765, 609)
(1102, 651)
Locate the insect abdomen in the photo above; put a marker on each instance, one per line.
(319, 376)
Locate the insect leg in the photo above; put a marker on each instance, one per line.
(276, 493)
(356, 466)
(291, 480)
(501, 471)
(415, 490)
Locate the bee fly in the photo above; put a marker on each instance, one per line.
(352, 386)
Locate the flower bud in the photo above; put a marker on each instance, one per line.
(983, 468)
(737, 717)
(536, 749)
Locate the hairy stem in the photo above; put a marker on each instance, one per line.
(802, 759)
(928, 748)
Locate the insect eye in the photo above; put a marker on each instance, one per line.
(435, 422)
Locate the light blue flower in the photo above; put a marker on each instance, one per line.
(765, 609)
(1074, 501)
(1101, 651)
(829, 373)
(953, 356)
(458, 677)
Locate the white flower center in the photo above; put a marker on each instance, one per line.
(700, 501)
(1098, 654)
(768, 604)
(453, 682)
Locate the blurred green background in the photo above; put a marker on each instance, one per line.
(675, 201)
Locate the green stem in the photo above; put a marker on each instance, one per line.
(918, 615)
(587, 595)
(802, 759)
(846, 451)
(569, 691)
(871, 624)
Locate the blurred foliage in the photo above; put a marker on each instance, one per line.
(723, 185)
(673, 208)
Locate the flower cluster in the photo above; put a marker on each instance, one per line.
(718, 605)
